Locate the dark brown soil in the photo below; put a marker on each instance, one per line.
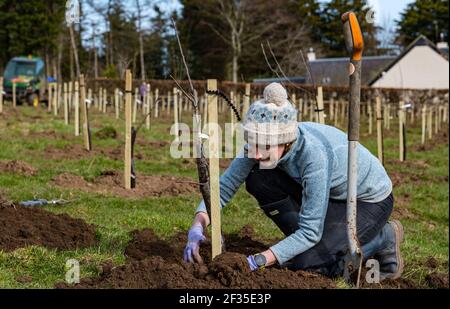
(17, 167)
(155, 263)
(77, 151)
(112, 183)
(68, 152)
(437, 280)
(22, 227)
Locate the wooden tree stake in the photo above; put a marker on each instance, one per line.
(128, 103)
(379, 131)
(214, 154)
(77, 109)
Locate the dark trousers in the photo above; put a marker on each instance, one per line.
(270, 186)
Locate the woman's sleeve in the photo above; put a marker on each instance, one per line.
(232, 179)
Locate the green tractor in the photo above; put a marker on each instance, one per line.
(28, 74)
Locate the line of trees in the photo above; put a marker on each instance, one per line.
(222, 38)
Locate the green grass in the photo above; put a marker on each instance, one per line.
(426, 234)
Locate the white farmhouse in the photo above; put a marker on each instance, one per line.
(420, 66)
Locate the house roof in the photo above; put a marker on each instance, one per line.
(334, 71)
(421, 40)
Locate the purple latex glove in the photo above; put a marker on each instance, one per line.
(191, 251)
(252, 263)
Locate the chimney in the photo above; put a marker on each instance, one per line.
(311, 54)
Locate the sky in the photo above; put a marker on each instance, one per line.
(385, 11)
(388, 10)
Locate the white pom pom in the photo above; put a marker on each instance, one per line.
(276, 94)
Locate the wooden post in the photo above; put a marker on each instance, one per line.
(379, 130)
(369, 111)
(77, 109)
(430, 122)
(58, 102)
(100, 99)
(84, 111)
(424, 123)
(388, 116)
(436, 119)
(105, 100)
(136, 93)
(331, 108)
(90, 97)
(70, 95)
(445, 113)
(116, 103)
(55, 99)
(400, 130)
(232, 115)
(66, 105)
(50, 96)
(247, 100)
(156, 102)
(175, 113)
(14, 94)
(214, 154)
(320, 106)
(1, 95)
(311, 111)
(128, 99)
(149, 105)
(300, 109)
(169, 102)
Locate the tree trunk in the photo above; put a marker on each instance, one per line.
(141, 51)
(235, 67)
(75, 51)
(60, 54)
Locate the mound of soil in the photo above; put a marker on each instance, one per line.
(77, 151)
(68, 152)
(112, 183)
(155, 263)
(17, 167)
(22, 227)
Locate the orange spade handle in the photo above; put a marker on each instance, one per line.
(353, 35)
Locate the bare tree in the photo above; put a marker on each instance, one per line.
(244, 24)
(141, 37)
(74, 50)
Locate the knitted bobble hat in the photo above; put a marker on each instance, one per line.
(272, 120)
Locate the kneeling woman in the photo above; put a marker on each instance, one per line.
(298, 174)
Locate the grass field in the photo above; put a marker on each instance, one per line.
(421, 191)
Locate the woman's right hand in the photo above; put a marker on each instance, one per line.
(192, 249)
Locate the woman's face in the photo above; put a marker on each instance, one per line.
(268, 156)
